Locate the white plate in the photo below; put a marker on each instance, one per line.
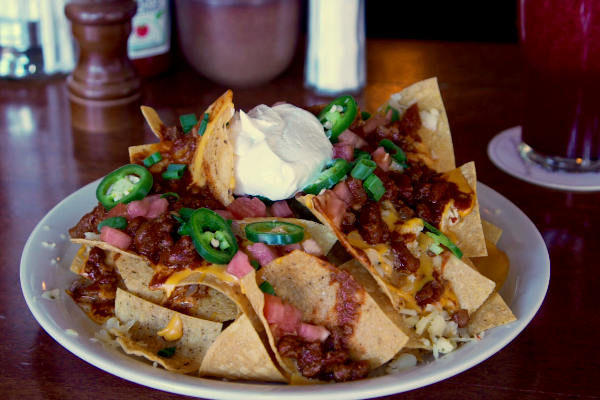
(524, 291)
(503, 152)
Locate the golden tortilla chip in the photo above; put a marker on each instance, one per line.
(312, 230)
(468, 232)
(224, 308)
(137, 274)
(142, 339)
(213, 162)
(494, 312)
(154, 121)
(312, 285)
(468, 285)
(491, 232)
(80, 259)
(239, 353)
(366, 280)
(438, 141)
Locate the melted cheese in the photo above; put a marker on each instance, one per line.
(495, 266)
(455, 176)
(218, 271)
(174, 329)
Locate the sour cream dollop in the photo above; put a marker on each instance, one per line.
(277, 150)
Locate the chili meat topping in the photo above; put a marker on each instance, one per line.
(96, 292)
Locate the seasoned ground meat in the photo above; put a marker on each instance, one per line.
(173, 132)
(349, 222)
(430, 293)
(371, 228)
(185, 298)
(155, 236)
(411, 122)
(315, 361)
(404, 261)
(134, 225)
(89, 222)
(461, 317)
(183, 254)
(359, 193)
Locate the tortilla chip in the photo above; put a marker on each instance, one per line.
(80, 259)
(491, 232)
(213, 162)
(311, 285)
(224, 307)
(439, 142)
(137, 274)
(154, 121)
(142, 340)
(324, 237)
(470, 287)
(366, 280)
(468, 231)
(494, 312)
(107, 247)
(239, 353)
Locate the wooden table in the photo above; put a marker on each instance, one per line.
(43, 160)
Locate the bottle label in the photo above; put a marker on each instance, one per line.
(150, 29)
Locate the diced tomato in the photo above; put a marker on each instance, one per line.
(120, 210)
(312, 332)
(273, 311)
(157, 207)
(225, 214)
(372, 123)
(343, 192)
(281, 209)
(263, 253)
(239, 266)
(245, 207)
(343, 151)
(350, 138)
(115, 237)
(335, 208)
(311, 247)
(291, 318)
(138, 208)
(382, 158)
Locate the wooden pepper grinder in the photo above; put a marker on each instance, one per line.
(104, 87)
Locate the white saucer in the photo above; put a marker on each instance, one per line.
(503, 152)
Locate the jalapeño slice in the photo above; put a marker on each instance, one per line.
(439, 238)
(124, 185)
(337, 116)
(212, 236)
(274, 232)
(329, 177)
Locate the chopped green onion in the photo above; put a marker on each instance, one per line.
(185, 213)
(363, 169)
(395, 113)
(188, 121)
(152, 159)
(167, 352)
(255, 265)
(374, 187)
(395, 152)
(266, 287)
(365, 115)
(183, 230)
(170, 194)
(174, 171)
(439, 238)
(435, 248)
(359, 155)
(203, 124)
(113, 222)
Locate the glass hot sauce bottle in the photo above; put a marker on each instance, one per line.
(149, 45)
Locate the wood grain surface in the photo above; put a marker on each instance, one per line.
(43, 160)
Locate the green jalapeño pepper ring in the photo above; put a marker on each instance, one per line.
(439, 238)
(337, 116)
(329, 177)
(124, 185)
(212, 236)
(274, 232)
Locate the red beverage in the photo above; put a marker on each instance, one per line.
(560, 43)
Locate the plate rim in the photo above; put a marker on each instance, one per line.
(215, 389)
